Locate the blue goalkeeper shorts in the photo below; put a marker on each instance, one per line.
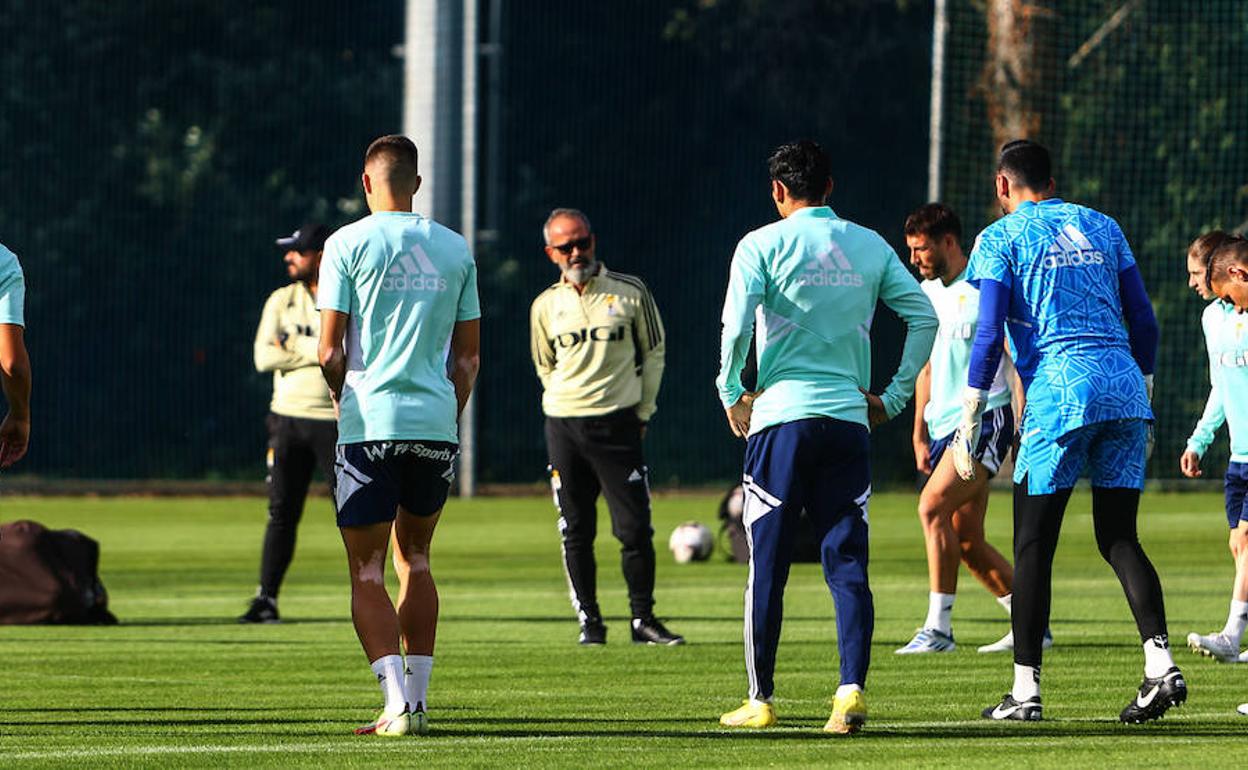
(1111, 453)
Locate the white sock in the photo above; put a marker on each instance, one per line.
(845, 689)
(416, 683)
(939, 610)
(1007, 602)
(1157, 660)
(389, 672)
(1026, 683)
(1236, 620)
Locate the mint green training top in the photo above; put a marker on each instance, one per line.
(404, 281)
(811, 282)
(1226, 338)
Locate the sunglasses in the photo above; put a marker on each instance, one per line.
(580, 243)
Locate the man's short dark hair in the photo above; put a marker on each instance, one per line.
(1027, 163)
(935, 220)
(1233, 251)
(803, 167)
(399, 156)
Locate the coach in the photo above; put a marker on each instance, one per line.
(302, 432)
(597, 343)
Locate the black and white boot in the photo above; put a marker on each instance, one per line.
(1155, 698)
(1029, 710)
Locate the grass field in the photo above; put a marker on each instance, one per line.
(178, 683)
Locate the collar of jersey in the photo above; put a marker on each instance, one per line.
(1045, 202)
(815, 211)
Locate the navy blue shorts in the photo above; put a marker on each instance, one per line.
(1236, 494)
(995, 439)
(375, 478)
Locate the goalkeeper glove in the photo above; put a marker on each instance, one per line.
(966, 437)
(1148, 387)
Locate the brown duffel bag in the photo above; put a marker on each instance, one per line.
(50, 576)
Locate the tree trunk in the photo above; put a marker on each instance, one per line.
(1019, 48)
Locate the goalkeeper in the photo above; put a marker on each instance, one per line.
(1066, 278)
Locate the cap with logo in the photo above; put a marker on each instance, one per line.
(310, 237)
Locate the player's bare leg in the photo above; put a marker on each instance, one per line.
(376, 622)
(418, 595)
(951, 511)
(372, 612)
(417, 607)
(1224, 645)
(944, 494)
(984, 562)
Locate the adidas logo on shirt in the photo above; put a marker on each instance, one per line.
(1072, 249)
(829, 268)
(413, 272)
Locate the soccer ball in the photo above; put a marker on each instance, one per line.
(691, 541)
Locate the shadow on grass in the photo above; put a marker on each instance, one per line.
(227, 621)
(671, 728)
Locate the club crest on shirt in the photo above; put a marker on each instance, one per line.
(611, 308)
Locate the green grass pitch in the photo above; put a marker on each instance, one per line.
(178, 683)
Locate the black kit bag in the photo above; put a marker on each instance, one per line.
(50, 576)
(732, 541)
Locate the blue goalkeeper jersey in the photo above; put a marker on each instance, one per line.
(811, 282)
(1060, 262)
(1226, 339)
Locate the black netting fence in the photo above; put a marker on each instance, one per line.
(151, 151)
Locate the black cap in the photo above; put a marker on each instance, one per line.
(310, 237)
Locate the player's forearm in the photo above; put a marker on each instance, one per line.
(465, 360)
(914, 354)
(989, 343)
(15, 378)
(922, 394)
(733, 350)
(463, 374)
(333, 362)
(1210, 420)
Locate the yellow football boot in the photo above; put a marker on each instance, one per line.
(753, 713)
(849, 714)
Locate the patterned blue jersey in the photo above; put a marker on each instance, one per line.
(1060, 262)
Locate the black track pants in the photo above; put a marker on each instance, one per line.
(297, 447)
(592, 455)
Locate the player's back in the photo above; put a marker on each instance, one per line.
(406, 281)
(1061, 263)
(821, 278)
